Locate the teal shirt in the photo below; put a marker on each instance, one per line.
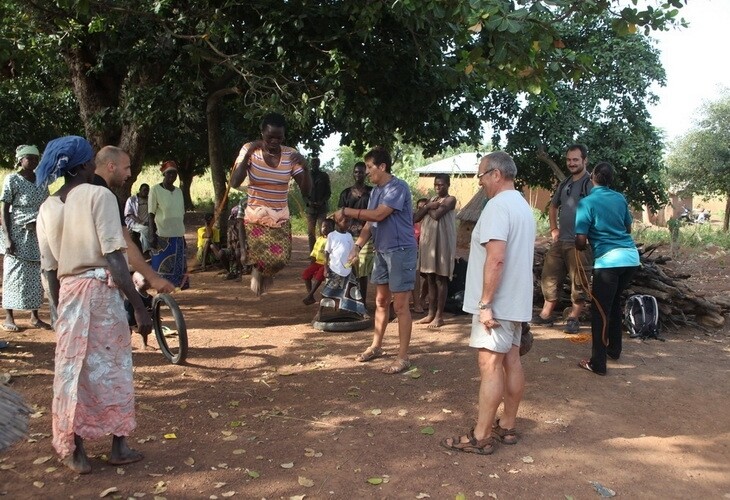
(603, 217)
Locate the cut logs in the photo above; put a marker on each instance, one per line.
(679, 305)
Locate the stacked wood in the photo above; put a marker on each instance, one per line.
(678, 303)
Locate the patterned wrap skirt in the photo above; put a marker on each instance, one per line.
(346, 290)
(269, 248)
(93, 390)
(169, 261)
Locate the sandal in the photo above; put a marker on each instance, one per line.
(506, 436)
(586, 365)
(398, 366)
(480, 447)
(369, 354)
(10, 327)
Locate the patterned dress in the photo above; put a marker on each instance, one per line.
(268, 230)
(22, 288)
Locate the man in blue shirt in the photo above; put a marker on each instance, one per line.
(389, 220)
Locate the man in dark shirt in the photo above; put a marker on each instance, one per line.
(112, 170)
(318, 202)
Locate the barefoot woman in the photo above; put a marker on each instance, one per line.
(82, 245)
(270, 166)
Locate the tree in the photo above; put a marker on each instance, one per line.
(699, 161)
(428, 72)
(606, 109)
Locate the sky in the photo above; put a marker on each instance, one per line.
(695, 60)
(696, 64)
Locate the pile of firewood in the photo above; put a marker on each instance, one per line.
(679, 305)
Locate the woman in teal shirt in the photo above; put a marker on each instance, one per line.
(604, 220)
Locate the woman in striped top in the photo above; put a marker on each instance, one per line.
(269, 166)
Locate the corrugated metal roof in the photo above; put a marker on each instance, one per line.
(461, 164)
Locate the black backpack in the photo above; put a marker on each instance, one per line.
(455, 293)
(641, 316)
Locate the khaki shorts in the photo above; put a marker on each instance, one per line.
(365, 259)
(559, 263)
(499, 339)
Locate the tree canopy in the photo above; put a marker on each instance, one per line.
(427, 71)
(699, 161)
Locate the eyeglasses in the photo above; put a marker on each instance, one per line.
(479, 176)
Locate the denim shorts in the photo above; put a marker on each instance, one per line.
(396, 268)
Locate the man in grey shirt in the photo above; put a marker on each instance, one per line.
(562, 258)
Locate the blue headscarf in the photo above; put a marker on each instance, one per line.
(60, 156)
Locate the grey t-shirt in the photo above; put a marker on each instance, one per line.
(566, 198)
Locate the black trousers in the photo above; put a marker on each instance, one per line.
(606, 312)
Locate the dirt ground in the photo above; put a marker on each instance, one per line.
(268, 407)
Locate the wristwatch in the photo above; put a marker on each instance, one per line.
(484, 305)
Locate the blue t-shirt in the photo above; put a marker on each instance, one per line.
(603, 217)
(396, 230)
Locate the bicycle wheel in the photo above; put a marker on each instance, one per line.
(170, 329)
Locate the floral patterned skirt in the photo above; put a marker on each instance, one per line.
(269, 248)
(93, 390)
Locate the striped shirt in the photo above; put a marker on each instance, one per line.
(268, 187)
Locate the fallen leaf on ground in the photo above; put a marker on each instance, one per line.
(239, 451)
(232, 437)
(219, 485)
(544, 360)
(213, 414)
(104, 493)
(376, 411)
(233, 404)
(253, 474)
(228, 494)
(190, 461)
(147, 439)
(41, 460)
(602, 490)
(494, 476)
(39, 484)
(402, 413)
(303, 481)
(297, 497)
(7, 466)
(288, 465)
(236, 423)
(50, 469)
(226, 433)
(479, 494)
(528, 459)
(446, 410)
(513, 471)
(423, 495)
(427, 430)
(414, 373)
(160, 487)
(460, 496)
(171, 435)
(375, 480)
(120, 471)
(146, 407)
(493, 495)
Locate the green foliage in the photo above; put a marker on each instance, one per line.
(699, 162)
(696, 236)
(604, 108)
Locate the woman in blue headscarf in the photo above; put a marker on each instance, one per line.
(20, 201)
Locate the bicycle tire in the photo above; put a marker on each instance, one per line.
(174, 357)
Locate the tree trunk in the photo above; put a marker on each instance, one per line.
(726, 219)
(186, 175)
(543, 157)
(219, 172)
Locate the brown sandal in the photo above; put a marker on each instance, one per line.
(369, 354)
(480, 447)
(398, 366)
(505, 436)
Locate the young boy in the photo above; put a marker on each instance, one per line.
(209, 239)
(341, 283)
(313, 275)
